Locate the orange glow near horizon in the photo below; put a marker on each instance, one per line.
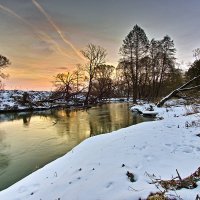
(43, 38)
(36, 72)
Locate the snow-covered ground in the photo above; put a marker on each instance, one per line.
(12, 100)
(96, 169)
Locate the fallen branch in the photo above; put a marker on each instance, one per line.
(189, 182)
(161, 196)
(180, 89)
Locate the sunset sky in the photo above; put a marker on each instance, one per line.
(44, 37)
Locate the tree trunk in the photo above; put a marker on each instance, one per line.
(180, 89)
(88, 93)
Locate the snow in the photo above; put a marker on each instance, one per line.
(147, 112)
(145, 109)
(10, 100)
(96, 169)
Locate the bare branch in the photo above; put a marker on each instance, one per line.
(190, 88)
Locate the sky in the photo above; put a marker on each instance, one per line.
(44, 37)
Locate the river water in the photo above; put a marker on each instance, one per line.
(28, 141)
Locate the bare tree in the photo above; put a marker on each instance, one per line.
(80, 77)
(4, 62)
(65, 84)
(196, 53)
(96, 56)
(103, 81)
(123, 79)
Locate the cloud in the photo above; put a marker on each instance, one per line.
(62, 68)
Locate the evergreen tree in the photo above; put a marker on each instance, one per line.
(134, 48)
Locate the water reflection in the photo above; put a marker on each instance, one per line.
(26, 120)
(4, 158)
(31, 140)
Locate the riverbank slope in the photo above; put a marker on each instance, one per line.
(97, 168)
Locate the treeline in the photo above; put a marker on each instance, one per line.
(146, 70)
(148, 67)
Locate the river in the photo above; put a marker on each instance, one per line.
(28, 141)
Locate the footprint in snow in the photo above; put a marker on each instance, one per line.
(197, 148)
(109, 184)
(148, 157)
(138, 166)
(187, 150)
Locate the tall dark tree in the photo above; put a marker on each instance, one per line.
(154, 50)
(123, 79)
(144, 77)
(166, 60)
(133, 49)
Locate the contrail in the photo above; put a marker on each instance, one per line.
(44, 36)
(57, 29)
(13, 13)
(47, 38)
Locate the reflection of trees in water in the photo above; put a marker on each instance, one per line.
(71, 124)
(26, 119)
(76, 125)
(4, 162)
(100, 121)
(4, 158)
(82, 123)
(111, 117)
(25, 116)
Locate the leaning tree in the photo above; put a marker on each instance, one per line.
(188, 86)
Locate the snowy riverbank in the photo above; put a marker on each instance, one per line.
(25, 101)
(13, 100)
(97, 168)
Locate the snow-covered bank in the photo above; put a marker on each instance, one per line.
(12, 100)
(24, 101)
(96, 169)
